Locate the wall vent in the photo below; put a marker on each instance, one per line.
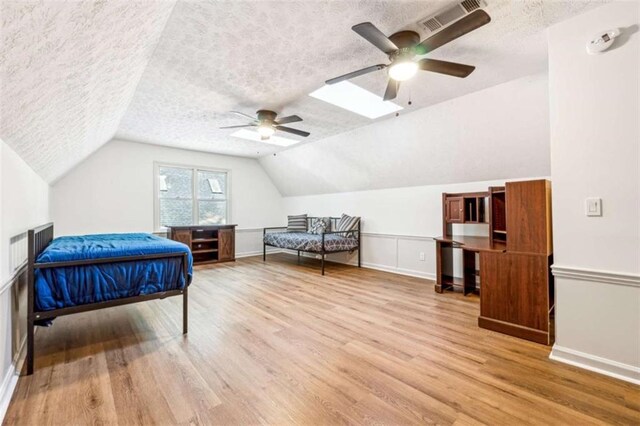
(470, 5)
(445, 17)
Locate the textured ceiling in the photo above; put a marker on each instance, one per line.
(76, 73)
(214, 57)
(69, 71)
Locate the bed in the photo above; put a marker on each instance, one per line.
(322, 244)
(68, 275)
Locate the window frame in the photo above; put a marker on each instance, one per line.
(194, 191)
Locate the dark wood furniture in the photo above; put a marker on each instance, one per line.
(323, 252)
(38, 240)
(470, 246)
(208, 243)
(510, 267)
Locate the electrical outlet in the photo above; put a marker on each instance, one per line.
(422, 256)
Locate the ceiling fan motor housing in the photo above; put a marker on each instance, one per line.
(406, 42)
(266, 115)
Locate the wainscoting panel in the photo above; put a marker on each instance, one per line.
(598, 321)
(13, 312)
(249, 242)
(398, 254)
(409, 255)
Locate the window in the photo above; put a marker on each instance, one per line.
(190, 195)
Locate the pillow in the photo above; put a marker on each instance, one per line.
(297, 223)
(348, 223)
(320, 225)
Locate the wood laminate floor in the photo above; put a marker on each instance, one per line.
(278, 343)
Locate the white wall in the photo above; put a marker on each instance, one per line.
(112, 191)
(24, 203)
(497, 133)
(398, 223)
(595, 153)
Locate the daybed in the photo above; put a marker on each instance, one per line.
(68, 275)
(302, 240)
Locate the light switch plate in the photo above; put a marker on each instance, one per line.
(593, 206)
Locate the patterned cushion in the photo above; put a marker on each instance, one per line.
(297, 223)
(320, 225)
(348, 223)
(310, 242)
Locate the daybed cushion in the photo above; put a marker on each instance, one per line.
(348, 223)
(297, 223)
(320, 225)
(310, 242)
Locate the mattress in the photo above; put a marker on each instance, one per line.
(61, 287)
(305, 241)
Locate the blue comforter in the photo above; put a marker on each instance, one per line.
(62, 287)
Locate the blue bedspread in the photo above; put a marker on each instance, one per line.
(62, 287)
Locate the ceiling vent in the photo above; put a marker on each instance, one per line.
(435, 22)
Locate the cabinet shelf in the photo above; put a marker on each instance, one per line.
(208, 243)
(204, 251)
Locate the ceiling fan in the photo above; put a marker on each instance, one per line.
(403, 46)
(267, 124)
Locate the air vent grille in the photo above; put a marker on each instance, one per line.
(450, 15)
(470, 5)
(443, 18)
(432, 24)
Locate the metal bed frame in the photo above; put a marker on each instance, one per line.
(39, 238)
(323, 252)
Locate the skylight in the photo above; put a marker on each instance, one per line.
(254, 136)
(355, 99)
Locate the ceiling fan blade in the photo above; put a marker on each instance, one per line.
(467, 24)
(288, 119)
(392, 90)
(242, 114)
(237, 127)
(444, 67)
(294, 131)
(376, 37)
(350, 75)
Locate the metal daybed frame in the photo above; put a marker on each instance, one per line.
(323, 252)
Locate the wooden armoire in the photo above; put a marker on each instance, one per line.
(517, 286)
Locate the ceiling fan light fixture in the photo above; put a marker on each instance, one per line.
(403, 70)
(266, 130)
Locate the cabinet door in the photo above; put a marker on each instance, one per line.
(181, 235)
(226, 244)
(455, 210)
(514, 289)
(528, 211)
(494, 286)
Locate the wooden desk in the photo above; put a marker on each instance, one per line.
(517, 294)
(469, 245)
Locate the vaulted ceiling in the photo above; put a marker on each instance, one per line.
(76, 74)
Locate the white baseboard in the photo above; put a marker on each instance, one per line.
(257, 253)
(7, 387)
(399, 271)
(615, 369)
(369, 265)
